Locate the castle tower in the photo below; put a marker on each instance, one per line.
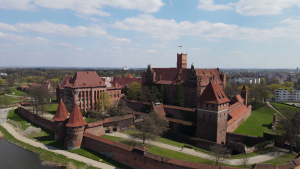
(181, 61)
(60, 121)
(212, 114)
(223, 78)
(75, 129)
(244, 94)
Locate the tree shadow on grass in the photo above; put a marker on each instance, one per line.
(269, 126)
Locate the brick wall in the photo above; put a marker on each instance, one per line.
(37, 119)
(237, 122)
(245, 139)
(98, 130)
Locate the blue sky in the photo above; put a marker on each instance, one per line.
(135, 33)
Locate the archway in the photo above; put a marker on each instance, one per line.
(235, 152)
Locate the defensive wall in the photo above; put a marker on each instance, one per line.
(236, 123)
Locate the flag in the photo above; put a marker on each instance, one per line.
(180, 46)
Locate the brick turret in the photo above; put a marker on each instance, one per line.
(75, 129)
(212, 113)
(244, 94)
(223, 78)
(181, 61)
(60, 121)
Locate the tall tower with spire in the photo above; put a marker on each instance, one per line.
(75, 129)
(212, 114)
(181, 61)
(60, 121)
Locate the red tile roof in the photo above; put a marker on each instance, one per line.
(289, 165)
(61, 113)
(236, 113)
(84, 79)
(136, 101)
(188, 164)
(233, 106)
(140, 147)
(297, 161)
(117, 118)
(239, 98)
(129, 76)
(123, 81)
(264, 166)
(213, 93)
(94, 124)
(154, 156)
(159, 109)
(180, 121)
(244, 88)
(76, 119)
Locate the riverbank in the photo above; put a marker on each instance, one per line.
(51, 157)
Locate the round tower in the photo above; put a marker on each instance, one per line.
(60, 121)
(75, 129)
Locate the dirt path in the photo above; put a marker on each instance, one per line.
(252, 160)
(70, 155)
(268, 103)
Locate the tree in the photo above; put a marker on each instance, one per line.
(218, 153)
(150, 94)
(2, 82)
(134, 91)
(103, 102)
(39, 95)
(151, 127)
(289, 84)
(179, 95)
(263, 81)
(289, 127)
(275, 81)
(7, 90)
(5, 101)
(10, 81)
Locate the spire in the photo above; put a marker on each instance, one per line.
(213, 93)
(61, 113)
(76, 119)
(245, 88)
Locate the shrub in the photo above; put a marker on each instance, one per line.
(263, 144)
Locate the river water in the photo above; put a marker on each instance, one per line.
(14, 157)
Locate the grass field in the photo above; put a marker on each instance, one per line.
(10, 100)
(282, 108)
(52, 108)
(288, 157)
(259, 121)
(17, 92)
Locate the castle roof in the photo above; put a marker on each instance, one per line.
(76, 119)
(159, 109)
(83, 79)
(171, 75)
(129, 76)
(237, 112)
(244, 88)
(123, 81)
(213, 93)
(61, 113)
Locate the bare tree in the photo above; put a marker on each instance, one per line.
(218, 153)
(40, 96)
(151, 127)
(290, 127)
(245, 162)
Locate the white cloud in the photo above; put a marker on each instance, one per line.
(84, 7)
(133, 49)
(156, 45)
(212, 40)
(78, 48)
(167, 30)
(23, 39)
(237, 51)
(115, 40)
(54, 28)
(199, 49)
(263, 7)
(210, 6)
(65, 44)
(117, 47)
(137, 45)
(151, 51)
(7, 45)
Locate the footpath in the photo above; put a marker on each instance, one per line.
(55, 150)
(268, 103)
(252, 160)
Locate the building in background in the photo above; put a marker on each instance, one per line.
(282, 95)
(245, 80)
(125, 68)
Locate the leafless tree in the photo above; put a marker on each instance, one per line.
(39, 96)
(151, 127)
(245, 162)
(289, 127)
(218, 153)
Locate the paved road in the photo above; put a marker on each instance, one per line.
(252, 160)
(77, 157)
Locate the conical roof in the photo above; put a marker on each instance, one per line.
(244, 88)
(214, 94)
(76, 119)
(61, 113)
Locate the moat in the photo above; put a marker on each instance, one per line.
(14, 157)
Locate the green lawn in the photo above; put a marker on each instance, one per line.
(10, 100)
(282, 108)
(259, 121)
(17, 92)
(256, 153)
(288, 157)
(52, 108)
(15, 116)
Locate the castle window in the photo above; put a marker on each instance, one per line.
(206, 105)
(213, 105)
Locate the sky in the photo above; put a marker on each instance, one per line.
(135, 33)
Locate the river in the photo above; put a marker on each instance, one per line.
(14, 157)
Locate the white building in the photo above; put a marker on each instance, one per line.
(246, 80)
(125, 68)
(282, 95)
